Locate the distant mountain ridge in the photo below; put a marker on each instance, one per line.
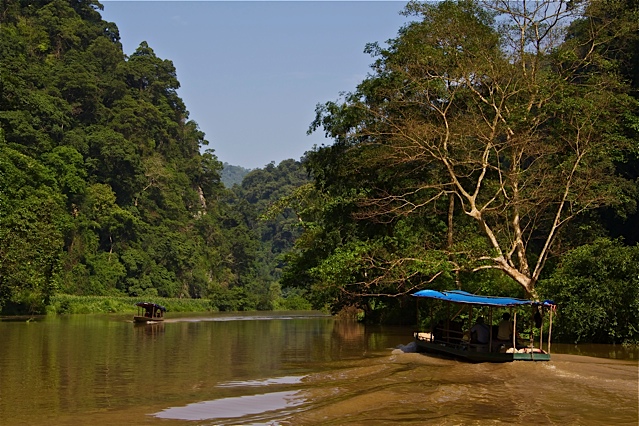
(232, 175)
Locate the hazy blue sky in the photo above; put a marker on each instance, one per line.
(251, 73)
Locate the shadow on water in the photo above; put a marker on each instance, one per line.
(598, 351)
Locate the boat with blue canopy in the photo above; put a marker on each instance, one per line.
(497, 342)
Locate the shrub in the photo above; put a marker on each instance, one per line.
(596, 288)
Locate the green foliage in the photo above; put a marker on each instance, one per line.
(68, 166)
(32, 222)
(272, 231)
(476, 142)
(292, 300)
(234, 299)
(72, 304)
(233, 175)
(104, 188)
(596, 288)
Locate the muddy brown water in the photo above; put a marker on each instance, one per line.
(290, 369)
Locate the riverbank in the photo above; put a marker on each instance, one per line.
(71, 304)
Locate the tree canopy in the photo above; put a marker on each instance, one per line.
(487, 136)
(233, 175)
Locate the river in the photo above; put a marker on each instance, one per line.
(289, 369)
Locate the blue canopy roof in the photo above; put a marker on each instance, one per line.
(458, 296)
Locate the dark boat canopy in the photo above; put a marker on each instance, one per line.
(458, 296)
(150, 306)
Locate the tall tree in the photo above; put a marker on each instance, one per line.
(32, 222)
(485, 104)
(622, 52)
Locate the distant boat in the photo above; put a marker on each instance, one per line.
(447, 338)
(149, 313)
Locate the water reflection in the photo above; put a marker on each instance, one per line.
(598, 350)
(247, 407)
(290, 380)
(245, 316)
(149, 329)
(288, 369)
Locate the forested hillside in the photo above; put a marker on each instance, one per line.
(261, 200)
(233, 175)
(103, 190)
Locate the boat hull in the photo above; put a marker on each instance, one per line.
(146, 320)
(468, 353)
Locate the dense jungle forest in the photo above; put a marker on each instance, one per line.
(493, 147)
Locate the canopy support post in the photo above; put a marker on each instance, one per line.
(514, 330)
(470, 323)
(541, 331)
(432, 322)
(447, 321)
(550, 330)
(490, 330)
(532, 327)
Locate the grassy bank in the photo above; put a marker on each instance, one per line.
(69, 304)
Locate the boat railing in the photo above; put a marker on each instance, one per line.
(453, 336)
(455, 339)
(447, 336)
